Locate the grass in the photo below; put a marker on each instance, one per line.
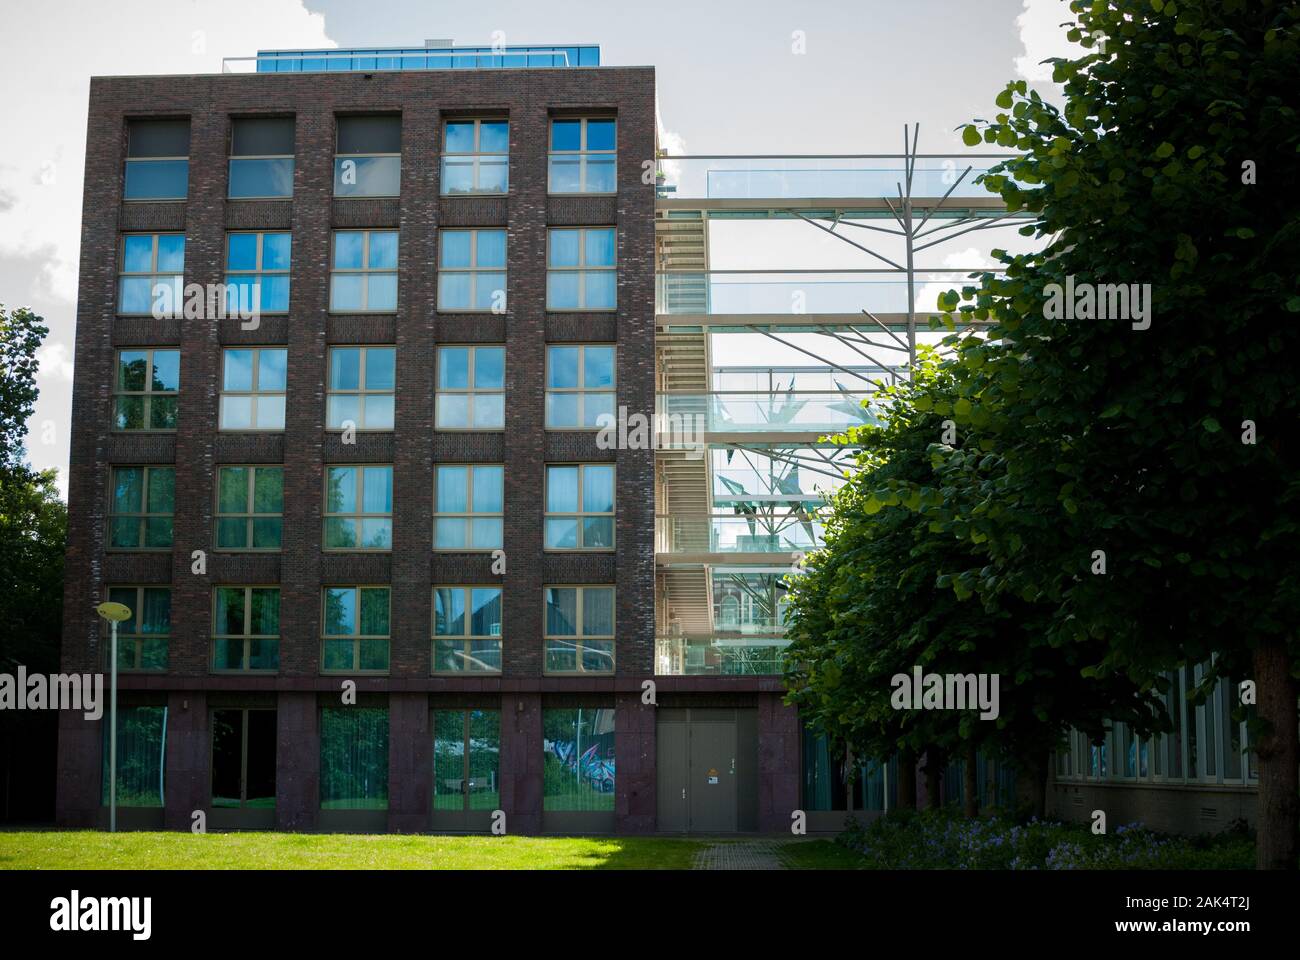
(820, 855)
(96, 850)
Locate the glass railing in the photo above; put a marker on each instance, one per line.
(756, 531)
(744, 412)
(415, 58)
(718, 656)
(798, 292)
(801, 178)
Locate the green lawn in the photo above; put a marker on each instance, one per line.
(94, 850)
(819, 855)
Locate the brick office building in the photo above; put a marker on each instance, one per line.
(454, 252)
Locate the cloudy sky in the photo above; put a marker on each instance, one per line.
(730, 80)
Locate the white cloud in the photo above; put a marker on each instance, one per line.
(54, 361)
(1039, 25)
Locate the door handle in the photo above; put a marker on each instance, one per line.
(683, 793)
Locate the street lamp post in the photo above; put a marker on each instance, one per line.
(114, 613)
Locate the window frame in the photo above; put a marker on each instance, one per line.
(244, 710)
(364, 271)
(361, 392)
(253, 390)
(143, 516)
(154, 275)
(128, 160)
(547, 514)
(146, 395)
(473, 271)
(248, 516)
(359, 515)
(467, 638)
(356, 636)
(339, 156)
(247, 637)
(476, 156)
(469, 515)
(578, 637)
(471, 391)
(581, 269)
(138, 638)
(581, 390)
(582, 153)
(259, 272)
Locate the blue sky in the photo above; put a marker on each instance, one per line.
(758, 76)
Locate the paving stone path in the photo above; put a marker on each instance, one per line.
(741, 855)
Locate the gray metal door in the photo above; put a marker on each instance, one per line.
(711, 789)
(672, 760)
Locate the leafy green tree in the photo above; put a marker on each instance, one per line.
(33, 530)
(1143, 476)
(21, 333)
(880, 599)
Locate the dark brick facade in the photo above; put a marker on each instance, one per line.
(197, 449)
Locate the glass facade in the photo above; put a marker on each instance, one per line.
(429, 58)
(141, 757)
(466, 760)
(243, 758)
(578, 760)
(354, 758)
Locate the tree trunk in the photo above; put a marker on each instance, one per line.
(1031, 783)
(970, 783)
(1279, 805)
(906, 780)
(933, 775)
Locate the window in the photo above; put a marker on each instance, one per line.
(151, 276)
(355, 630)
(141, 749)
(250, 507)
(580, 506)
(475, 157)
(140, 516)
(472, 271)
(364, 278)
(252, 388)
(466, 760)
(579, 386)
(579, 629)
(243, 757)
(582, 155)
(467, 506)
(471, 388)
(261, 158)
(361, 388)
(466, 629)
(142, 637)
(145, 389)
(257, 273)
(246, 629)
(578, 759)
(359, 508)
(157, 160)
(580, 273)
(368, 157)
(354, 758)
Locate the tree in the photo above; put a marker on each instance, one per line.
(21, 333)
(880, 599)
(33, 529)
(1165, 446)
